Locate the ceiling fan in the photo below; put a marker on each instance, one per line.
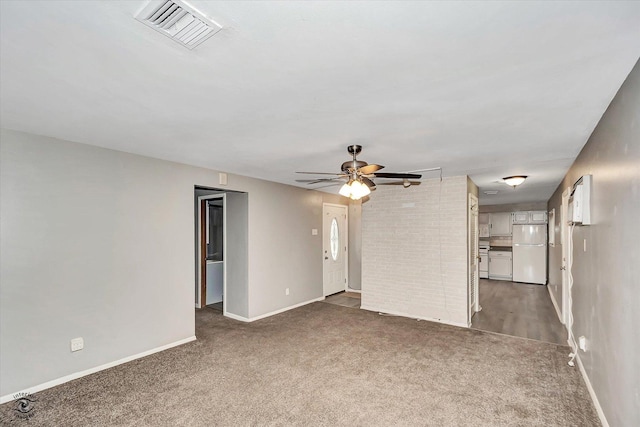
(359, 176)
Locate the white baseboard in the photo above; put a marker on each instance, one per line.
(357, 291)
(412, 316)
(236, 317)
(272, 313)
(592, 393)
(76, 375)
(555, 304)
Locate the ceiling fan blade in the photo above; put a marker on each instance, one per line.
(369, 183)
(325, 186)
(397, 175)
(426, 170)
(316, 181)
(323, 173)
(369, 169)
(401, 183)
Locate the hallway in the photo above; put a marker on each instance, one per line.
(520, 310)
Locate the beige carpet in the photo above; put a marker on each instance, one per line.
(325, 365)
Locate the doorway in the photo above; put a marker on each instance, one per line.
(335, 251)
(229, 259)
(211, 251)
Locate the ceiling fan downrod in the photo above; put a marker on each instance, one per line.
(351, 166)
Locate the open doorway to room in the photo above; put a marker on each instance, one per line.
(221, 251)
(211, 253)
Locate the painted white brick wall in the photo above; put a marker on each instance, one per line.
(414, 250)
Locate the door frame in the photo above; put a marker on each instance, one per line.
(473, 216)
(346, 243)
(564, 242)
(200, 255)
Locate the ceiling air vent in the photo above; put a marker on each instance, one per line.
(179, 21)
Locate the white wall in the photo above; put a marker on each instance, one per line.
(606, 290)
(100, 244)
(414, 250)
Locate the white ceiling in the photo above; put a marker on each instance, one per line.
(487, 89)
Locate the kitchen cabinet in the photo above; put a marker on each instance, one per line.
(483, 218)
(483, 231)
(537, 217)
(500, 224)
(520, 217)
(529, 217)
(500, 265)
(483, 267)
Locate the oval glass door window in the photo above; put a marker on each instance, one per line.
(334, 239)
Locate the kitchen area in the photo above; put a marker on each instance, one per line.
(512, 268)
(513, 246)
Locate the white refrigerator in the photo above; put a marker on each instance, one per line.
(530, 254)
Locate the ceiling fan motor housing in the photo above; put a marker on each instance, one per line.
(353, 164)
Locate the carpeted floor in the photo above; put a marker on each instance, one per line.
(323, 364)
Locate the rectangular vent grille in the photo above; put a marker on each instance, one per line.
(178, 21)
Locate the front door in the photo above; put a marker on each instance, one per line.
(334, 248)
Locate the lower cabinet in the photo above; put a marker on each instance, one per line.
(483, 268)
(500, 265)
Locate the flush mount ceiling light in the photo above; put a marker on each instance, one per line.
(515, 180)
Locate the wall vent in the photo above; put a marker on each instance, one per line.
(178, 21)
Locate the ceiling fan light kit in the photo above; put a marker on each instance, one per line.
(515, 180)
(355, 190)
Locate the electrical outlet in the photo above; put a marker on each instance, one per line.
(582, 343)
(77, 344)
(286, 291)
(314, 231)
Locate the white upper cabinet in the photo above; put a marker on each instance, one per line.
(483, 231)
(501, 224)
(538, 217)
(483, 218)
(530, 217)
(521, 217)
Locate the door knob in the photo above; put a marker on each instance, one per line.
(563, 268)
(326, 257)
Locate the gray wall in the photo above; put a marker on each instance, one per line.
(606, 290)
(100, 244)
(236, 255)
